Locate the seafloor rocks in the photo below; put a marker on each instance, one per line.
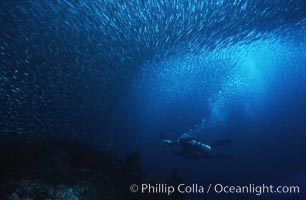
(60, 169)
(35, 189)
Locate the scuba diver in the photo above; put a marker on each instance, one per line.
(190, 147)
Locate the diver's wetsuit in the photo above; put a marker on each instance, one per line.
(192, 147)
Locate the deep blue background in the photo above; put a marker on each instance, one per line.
(117, 74)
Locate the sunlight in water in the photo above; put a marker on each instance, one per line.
(247, 75)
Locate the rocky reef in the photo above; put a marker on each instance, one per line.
(43, 168)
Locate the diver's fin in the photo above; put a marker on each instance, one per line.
(222, 142)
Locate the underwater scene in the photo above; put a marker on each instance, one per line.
(152, 99)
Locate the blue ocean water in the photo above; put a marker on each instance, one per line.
(118, 74)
